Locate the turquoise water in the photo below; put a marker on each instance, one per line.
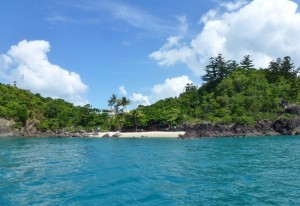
(208, 171)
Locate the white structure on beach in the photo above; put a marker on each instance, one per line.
(109, 112)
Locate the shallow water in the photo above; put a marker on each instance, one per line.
(208, 171)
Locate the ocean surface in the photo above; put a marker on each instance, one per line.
(207, 171)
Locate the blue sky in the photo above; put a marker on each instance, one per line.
(86, 50)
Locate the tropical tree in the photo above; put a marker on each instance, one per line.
(138, 117)
(247, 62)
(282, 68)
(232, 65)
(218, 68)
(287, 68)
(124, 102)
(211, 71)
(116, 103)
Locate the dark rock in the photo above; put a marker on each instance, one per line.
(180, 136)
(116, 135)
(292, 109)
(263, 128)
(296, 131)
(106, 135)
(286, 126)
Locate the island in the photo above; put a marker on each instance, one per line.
(236, 100)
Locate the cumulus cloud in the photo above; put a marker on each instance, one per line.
(139, 99)
(172, 87)
(122, 91)
(173, 51)
(28, 59)
(264, 29)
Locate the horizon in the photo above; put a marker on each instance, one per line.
(85, 51)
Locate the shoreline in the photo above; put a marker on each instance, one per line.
(152, 134)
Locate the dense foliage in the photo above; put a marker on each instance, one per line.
(232, 93)
(45, 114)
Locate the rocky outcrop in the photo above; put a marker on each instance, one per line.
(6, 128)
(281, 126)
(263, 128)
(287, 126)
(291, 108)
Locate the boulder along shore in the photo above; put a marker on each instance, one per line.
(281, 126)
(263, 128)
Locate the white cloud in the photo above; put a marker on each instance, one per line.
(71, 20)
(174, 52)
(211, 14)
(5, 61)
(139, 99)
(119, 10)
(231, 6)
(170, 88)
(133, 16)
(264, 29)
(29, 59)
(183, 24)
(122, 91)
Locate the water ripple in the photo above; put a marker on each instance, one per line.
(209, 171)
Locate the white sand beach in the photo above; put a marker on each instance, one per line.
(153, 134)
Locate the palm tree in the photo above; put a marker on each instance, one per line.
(113, 103)
(136, 114)
(124, 102)
(112, 100)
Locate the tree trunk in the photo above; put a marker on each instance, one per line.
(136, 129)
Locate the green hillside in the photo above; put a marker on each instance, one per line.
(233, 93)
(33, 110)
